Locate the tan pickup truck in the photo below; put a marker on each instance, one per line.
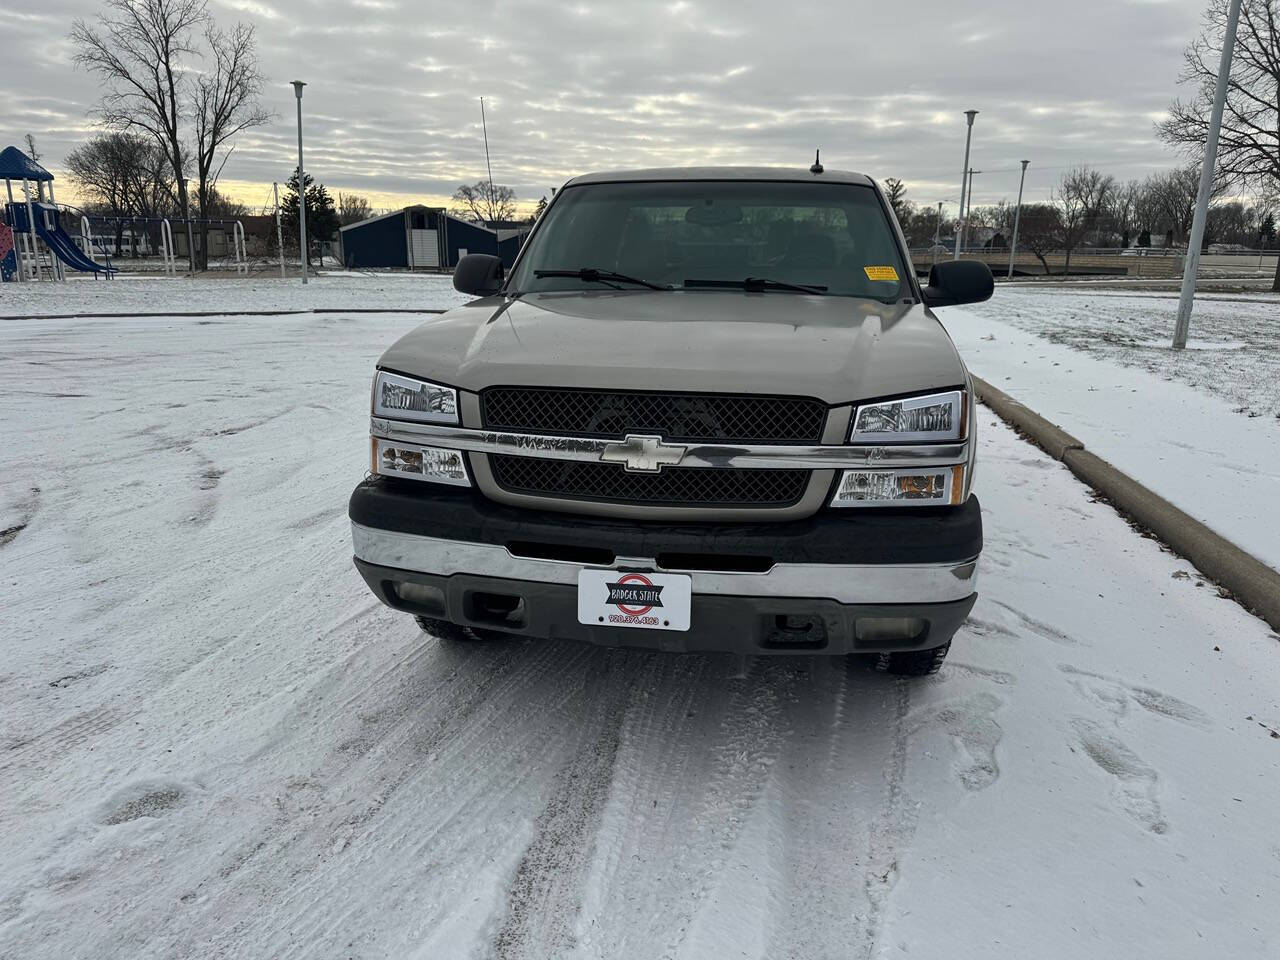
(706, 410)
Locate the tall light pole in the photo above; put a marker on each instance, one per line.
(186, 213)
(302, 184)
(964, 174)
(1017, 219)
(1192, 265)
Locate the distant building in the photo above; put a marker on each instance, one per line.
(424, 238)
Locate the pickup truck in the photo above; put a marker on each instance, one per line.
(706, 410)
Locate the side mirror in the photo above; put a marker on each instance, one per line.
(954, 282)
(478, 274)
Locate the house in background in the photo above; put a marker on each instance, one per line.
(424, 238)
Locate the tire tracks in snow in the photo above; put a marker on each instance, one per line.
(695, 759)
(546, 892)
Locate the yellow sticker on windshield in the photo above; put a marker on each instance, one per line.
(881, 273)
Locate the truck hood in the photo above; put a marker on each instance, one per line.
(837, 349)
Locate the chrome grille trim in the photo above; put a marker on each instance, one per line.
(757, 456)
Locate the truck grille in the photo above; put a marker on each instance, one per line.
(688, 417)
(683, 486)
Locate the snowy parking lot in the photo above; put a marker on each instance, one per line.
(214, 743)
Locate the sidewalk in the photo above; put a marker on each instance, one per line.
(1221, 467)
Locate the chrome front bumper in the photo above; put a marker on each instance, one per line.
(905, 583)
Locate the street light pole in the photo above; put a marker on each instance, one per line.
(1017, 220)
(186, 213)
(964, 174)
(1192, 264)
(302, 184)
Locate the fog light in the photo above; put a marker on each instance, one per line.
(888, 629)
(435, 464)
(879, 488)
(421, 595)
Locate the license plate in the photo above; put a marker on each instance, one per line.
(650, 601)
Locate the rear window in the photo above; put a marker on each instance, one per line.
(825, 234)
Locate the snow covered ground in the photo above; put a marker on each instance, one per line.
(1233, 353)
(1171, 422)
(356, 291)
(214, 743)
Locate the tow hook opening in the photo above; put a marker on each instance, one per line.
(794, 632)
(499, 609)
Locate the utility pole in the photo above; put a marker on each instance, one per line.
(302, 184)
(1191, 265)
(964, 174)
(1017, 219)
(275, 190)
(485, 127)
(937, 233)
(969, 207)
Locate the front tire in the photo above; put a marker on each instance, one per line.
(453, 633)
(913, 663)
(443, 629)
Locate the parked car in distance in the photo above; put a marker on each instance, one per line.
(706, 410)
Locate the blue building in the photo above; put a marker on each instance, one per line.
(422, 238)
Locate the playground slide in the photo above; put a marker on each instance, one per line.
(60, 243)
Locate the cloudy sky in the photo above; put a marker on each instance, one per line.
(392, 109)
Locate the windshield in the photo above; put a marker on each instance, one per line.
(832, 238)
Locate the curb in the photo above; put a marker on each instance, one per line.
(1251, 582)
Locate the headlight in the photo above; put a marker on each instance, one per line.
(407, 399)
(939, 416)
(436, 464)
(937, 486)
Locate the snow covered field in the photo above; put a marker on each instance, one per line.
(1172, 421)
(1233, 353)
(214, 743)
(125, 294)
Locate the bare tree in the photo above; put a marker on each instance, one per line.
(483, 202)
(224, 102)
(1170, 200)
(123, 175)
(1121, 216)
(352, 208)
(34, 154)
(1040, 230)
(1249, 144)
(139, 48)
(158, 76)
(1081, 195)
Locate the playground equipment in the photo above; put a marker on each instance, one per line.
(33, 221)
(33, 241)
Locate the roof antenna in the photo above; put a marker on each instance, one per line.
(817, 162)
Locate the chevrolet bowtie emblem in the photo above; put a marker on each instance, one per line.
(643, 454)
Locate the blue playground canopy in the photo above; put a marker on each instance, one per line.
(16, 165)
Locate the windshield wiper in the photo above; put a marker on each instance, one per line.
(599, 276)
(757, 284)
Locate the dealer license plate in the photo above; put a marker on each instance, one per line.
(650, 601)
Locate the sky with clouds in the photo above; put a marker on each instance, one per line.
(391, 109)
